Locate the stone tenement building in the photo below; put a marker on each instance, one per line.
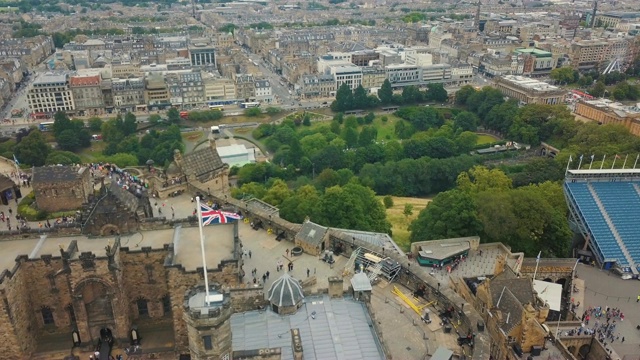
(84, 285)
(61, 188)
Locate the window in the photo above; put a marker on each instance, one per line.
(166, 305)
(71, 313)
(47, 315)
(143, 309)
(206, 340)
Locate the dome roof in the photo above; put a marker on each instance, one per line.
(286, 291)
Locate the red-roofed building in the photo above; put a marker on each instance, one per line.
(87, 94)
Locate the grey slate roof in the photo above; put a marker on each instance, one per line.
(124, 197)
(521, 288)
(285, 291)
(340, 329)
(312, 233)
(56, 173)
(511, 310)
(202, 163)
(378, 239)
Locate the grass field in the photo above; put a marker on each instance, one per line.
(91, 153)
(192, 136)
(399, 222)
(485, 139)
(386, 130)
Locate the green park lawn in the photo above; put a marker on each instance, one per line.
(485, 139)
(92, 152)
(386, 130)
(400, 222)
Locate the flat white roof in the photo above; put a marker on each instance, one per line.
(605, 171)
(529, 83)
(550, 293)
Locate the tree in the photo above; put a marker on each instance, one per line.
(466, 121)
(272, 110)
(437, 93)
(387, 201)
(33, 149)
(129, 124)
(463, 94)
(480, 178)
(306, 120)
(350, 136)
(277, 193)
(565, 75)
(95, 124)
(154, 119)
(360, 100)
(62, 158)
(385, 93)
(253, 112)
(451, 214)
(598, 89)
(301, 205)
(411, 95)
(67, 140)
(173, 115)
(367, 136)
(122, 160)
(368, 119)
(344, 99)
(352, 206)
(408, 210)
(61, 122)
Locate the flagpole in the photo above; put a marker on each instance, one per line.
(625, 161)
(604, 157)
(591, 163)
(568, 163)
(537, 262)
(580, 163)
(636, 163)
(204, 260)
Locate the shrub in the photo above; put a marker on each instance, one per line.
(27, 209)
(387, 201)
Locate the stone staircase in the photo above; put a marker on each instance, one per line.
(613, 229)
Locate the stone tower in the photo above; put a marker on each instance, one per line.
(208, 325)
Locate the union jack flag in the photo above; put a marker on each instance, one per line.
(211, 216)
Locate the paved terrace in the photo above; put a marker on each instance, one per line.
(475, 264)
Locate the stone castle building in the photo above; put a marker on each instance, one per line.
(61, 188)
(204, 169)
(80, 285)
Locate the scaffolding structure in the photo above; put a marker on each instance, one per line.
(373, 264)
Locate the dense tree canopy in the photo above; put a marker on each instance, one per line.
(33, 149)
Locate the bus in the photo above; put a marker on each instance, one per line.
(46, 126)
(184, 114)
(216, 107)
(246, 105)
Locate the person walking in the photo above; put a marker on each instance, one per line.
(308, 272)
(638, 300)
(249, 254)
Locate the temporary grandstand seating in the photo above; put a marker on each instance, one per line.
(603, 240)
(622, 203)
